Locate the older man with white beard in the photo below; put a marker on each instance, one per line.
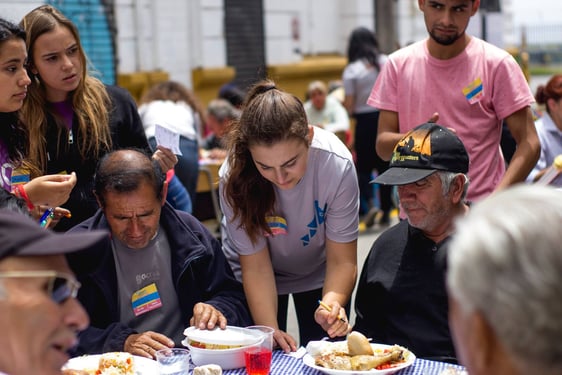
(401, 296)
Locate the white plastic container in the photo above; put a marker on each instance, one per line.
(221, 347)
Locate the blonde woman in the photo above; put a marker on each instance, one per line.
(73, 118)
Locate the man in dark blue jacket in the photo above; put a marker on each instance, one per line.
(161, 272)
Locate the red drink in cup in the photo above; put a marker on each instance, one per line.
(258, 361)
(258, 358)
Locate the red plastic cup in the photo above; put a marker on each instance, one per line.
(258, 358)
(258, 361)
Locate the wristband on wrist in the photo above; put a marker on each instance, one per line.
(21, 193)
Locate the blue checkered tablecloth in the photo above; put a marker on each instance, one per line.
(282, 364)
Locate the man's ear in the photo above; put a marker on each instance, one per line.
(164, 192)
(475, 6)
(310, 134)
(457, 188)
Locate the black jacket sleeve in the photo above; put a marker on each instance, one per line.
(125, 122)
(212, 276)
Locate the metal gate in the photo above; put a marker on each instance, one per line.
(245, 45)
(95, 20)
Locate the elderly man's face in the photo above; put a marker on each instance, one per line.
(37, 331)
(424, 204)
(318, 99)
(134, 216)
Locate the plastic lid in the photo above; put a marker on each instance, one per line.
(229, 336)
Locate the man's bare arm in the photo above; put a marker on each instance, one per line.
(388, 134)
(528, 149)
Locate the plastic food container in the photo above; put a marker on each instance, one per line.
(221, 347)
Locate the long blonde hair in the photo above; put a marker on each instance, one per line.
(90, 102)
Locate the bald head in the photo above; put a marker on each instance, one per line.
(123, 171)
(131, 157)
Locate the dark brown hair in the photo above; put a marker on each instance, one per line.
(12, 131)
(123, 171)
(363, 45)
(269, 116)
(552, 90)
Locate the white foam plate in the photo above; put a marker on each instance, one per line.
(89, 363)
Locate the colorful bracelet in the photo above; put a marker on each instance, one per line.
(20, 192)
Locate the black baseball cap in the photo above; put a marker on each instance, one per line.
(20, 235)
(423, 150)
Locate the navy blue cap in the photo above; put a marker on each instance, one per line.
(20, 235)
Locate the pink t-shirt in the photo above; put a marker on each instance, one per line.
(472, 92)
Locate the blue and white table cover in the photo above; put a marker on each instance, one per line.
(282, 364)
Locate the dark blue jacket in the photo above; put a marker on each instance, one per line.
(200, 273)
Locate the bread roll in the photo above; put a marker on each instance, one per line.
(207, 370)
(357, 344)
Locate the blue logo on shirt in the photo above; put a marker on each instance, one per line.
(319, 218)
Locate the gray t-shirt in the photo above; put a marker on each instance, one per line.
(324, 204)
(147, 297)
(358, 80)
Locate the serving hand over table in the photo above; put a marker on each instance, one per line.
(207, 316)
(332, 319)
(284, 341)
(146, 344)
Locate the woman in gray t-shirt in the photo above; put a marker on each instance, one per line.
(290, 199)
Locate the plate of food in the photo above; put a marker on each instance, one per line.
(357, 356)
(115, 363)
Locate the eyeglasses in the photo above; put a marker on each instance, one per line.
(61, 286)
